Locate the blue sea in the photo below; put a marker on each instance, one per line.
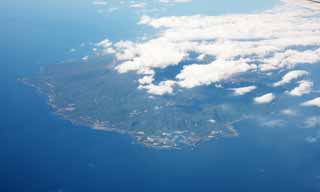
(41, 152)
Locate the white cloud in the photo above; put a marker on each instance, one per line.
(312, 103)
(197, 74)
(243, 90)
(146, 80)
(164, 87)
(312, 122)
(201, 57)
(85, 58)
(137, 5)
(267, 98)
(106, 47)
(241, 43)
(303, 88)
(158, 53)
(289, 112)
(290, 58)
(104, 43)
(290, 76)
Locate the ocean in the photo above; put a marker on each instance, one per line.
(42, 152)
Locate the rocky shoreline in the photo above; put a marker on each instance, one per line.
(175, 140)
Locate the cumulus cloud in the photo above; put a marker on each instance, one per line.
(196, 74)
(267, 98)
(291, 58)
(146, 80)
(164, 87)
(157, 53)
(303, 88)
(241, 43)
(290, 76)
(312, 103)
(243, 90)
